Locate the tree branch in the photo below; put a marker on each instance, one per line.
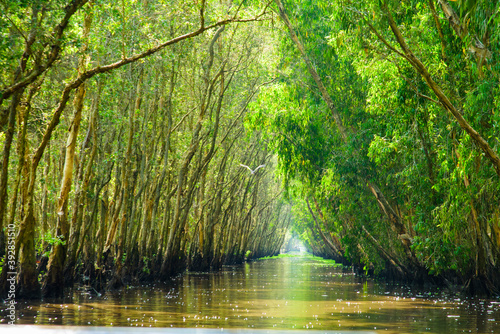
(108, 68)
(57, 36)
(443, 99)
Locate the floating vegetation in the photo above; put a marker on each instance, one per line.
(317, 259)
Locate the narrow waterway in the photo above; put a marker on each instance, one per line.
(287, 293)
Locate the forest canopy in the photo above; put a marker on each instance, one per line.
(131, 131)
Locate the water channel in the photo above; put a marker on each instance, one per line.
(287, 293)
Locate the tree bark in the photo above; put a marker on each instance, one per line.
(54, 282)
(4, 176)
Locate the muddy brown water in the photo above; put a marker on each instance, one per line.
(298, 293)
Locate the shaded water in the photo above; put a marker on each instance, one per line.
(286, 293)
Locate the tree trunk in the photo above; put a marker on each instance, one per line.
(84, 175)
(333, 247)
(54, 281)
(9, 135)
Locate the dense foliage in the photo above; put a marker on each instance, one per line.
(126, 128)
(407, 183)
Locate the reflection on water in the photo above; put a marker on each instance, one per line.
(287, 293)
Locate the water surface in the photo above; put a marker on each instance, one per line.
(286, 294)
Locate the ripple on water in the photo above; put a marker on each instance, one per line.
(287, 293)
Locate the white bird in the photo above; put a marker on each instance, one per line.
(252, 171)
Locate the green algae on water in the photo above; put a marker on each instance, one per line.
(309, 256)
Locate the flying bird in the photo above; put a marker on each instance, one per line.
(252, 171)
